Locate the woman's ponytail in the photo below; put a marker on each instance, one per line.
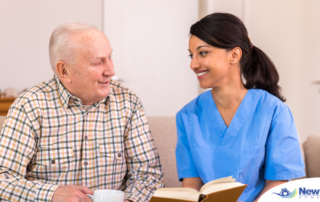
(261, 73)
(226, 31)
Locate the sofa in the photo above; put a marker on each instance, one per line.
(164, 133)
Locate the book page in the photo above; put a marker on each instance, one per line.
(221, 180)
(178, 193)
(222, 186)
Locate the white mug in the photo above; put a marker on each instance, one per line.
(107, 195)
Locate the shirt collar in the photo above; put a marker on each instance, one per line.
(65, 96)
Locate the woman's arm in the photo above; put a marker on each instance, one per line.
(270, 184)
(192, 182)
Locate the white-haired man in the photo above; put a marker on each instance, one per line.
(79, 131)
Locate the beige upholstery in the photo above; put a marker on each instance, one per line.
(164, 133)
(312, 155)
(2, 118)
(301, 147)
(303, 156)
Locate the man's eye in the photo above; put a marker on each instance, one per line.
(191, 56)
(110, 57)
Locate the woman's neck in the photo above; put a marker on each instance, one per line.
(229, 96)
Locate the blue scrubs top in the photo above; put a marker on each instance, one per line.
(260, 143)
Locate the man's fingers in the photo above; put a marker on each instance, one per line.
(86, 198)
(84, 189)
(72, 193)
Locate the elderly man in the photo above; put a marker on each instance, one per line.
(78, 132)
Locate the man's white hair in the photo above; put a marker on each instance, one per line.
(61, 46)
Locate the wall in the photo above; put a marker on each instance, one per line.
(149, 38)
(150, 48)
(288, 31)
(26, 27)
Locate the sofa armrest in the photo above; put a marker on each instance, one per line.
(311, 149)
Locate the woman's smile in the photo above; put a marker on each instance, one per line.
(202, 74)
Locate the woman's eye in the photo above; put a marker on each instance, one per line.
(191, 56)
(203, 53)
(110, 57)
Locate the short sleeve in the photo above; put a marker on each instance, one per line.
(185, 164)
(283, 154)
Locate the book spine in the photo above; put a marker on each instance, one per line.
(202, 198)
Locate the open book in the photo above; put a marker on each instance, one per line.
(223, 189)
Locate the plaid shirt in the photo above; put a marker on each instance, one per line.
(50, 139)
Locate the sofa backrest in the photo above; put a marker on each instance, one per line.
(164, 133)
(2, 118)
(311, 149)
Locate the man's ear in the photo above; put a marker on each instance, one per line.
(63, 71)
(235, 55)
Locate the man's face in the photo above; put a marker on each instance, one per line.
(91, 71)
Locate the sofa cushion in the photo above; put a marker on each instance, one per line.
(164, 132)
(311, 151)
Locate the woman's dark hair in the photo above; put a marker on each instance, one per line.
(226, 31)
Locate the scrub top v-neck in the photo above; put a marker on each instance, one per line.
(260, 143)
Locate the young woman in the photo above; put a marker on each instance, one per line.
(242, 126)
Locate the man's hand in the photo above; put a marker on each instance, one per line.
(72, 193)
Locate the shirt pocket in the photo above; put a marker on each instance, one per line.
(108, 152)
(52, 163)
(215, 163)
(55, 156)
(112, 160)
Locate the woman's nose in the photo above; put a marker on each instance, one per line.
(194, 63)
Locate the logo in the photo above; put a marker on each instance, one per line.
(307, 189)
(285, 193)
(309, 193)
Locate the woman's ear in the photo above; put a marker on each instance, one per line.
(62, 71)
(235, 55)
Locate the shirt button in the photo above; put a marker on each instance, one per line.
(53, 161)
(119, 155)
(85, 163)
(85, 137)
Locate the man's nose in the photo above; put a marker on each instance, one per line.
(109, 68)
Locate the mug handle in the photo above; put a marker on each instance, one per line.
(90, 196)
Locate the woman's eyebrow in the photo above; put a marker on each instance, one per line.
(201, 47)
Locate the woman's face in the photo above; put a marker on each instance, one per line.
(212, 65)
